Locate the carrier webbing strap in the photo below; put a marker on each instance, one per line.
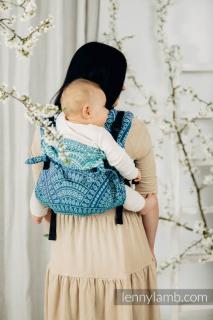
(52, 228)
(52, 231)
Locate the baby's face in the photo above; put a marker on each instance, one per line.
(99, 112)
(101, 116)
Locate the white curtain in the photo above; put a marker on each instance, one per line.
(24, 251)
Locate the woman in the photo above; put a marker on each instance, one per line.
(92, 255)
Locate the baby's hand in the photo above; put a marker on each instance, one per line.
(138, 178)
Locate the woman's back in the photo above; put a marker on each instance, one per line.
(92, 255)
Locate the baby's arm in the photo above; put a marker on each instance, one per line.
(117, 156)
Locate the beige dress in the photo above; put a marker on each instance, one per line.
(92, 255)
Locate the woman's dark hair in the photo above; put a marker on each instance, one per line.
(100, 63)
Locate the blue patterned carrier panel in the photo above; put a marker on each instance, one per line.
(85, 186)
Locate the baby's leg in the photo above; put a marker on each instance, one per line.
(37, 209)
(134, 201)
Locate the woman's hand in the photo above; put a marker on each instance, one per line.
(155, 260)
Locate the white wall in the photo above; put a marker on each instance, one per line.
(190, 25)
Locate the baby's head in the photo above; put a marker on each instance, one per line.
(83, 101)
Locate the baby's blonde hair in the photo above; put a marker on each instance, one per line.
(78, 93)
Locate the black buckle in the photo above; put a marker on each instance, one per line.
(46, 163)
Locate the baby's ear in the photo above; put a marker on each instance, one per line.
(86, 111)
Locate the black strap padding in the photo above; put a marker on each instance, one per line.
(115, 129)
(46, 164)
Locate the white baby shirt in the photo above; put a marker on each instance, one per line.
(99, 137)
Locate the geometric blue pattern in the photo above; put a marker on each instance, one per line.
(84, 186)
(126, 124)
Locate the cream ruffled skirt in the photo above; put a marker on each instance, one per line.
(91, 257)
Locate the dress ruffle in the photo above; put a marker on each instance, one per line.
(89, 298)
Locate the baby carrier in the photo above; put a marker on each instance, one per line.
(71, 190)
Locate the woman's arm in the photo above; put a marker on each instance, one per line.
(150, 222)
(145, 162)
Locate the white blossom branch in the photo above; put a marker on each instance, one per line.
(22, 44)
(38, 114)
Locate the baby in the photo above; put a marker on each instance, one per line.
(82, 118)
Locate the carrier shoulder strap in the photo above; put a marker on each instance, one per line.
(117, 123)
(52, 228)
(115, 129)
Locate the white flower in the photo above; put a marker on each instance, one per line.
(4, 6)
(207, 242)
(199, 227)
(208, 180)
